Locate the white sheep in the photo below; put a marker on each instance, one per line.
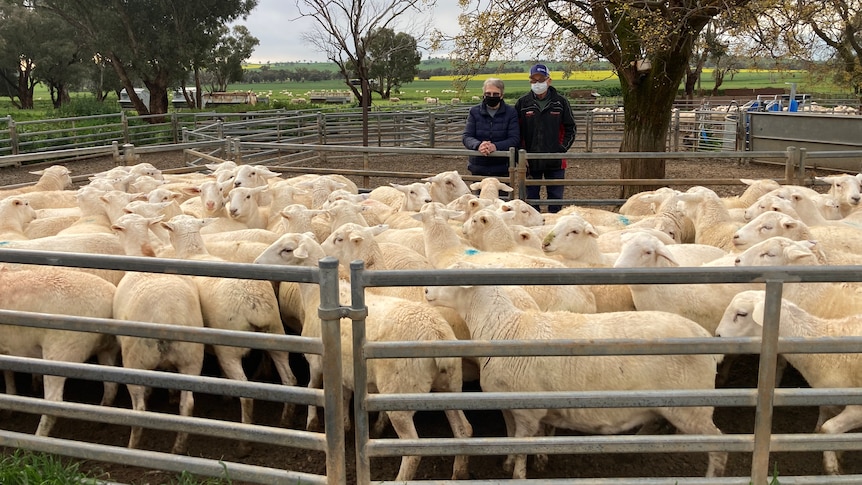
(243, 206)
(521, 213)
(491, 315)
(443, 247)
(209, 201)
(843, 238)
(58, 291)
(93, 216)
(744, 317)
(490, 188)
(15, 215)
(389, 319)
(447, 186)
(845, 188)
(88, 243)
(713, 224)
(48, 199)
(647, 202)
(159, 298)
(487, 230)
(703, 303)
(409, 197)
(232, 304)
(754, 190)
(55, 177)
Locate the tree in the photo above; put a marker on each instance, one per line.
(226, 64)
(343, 30)
(156, 43)
(394, 60)
(648, 43)
(827, 33)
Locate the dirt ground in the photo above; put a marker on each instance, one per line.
(730, 420)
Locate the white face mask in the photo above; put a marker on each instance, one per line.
(539, 88)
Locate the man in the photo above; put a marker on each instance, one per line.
(547, 126)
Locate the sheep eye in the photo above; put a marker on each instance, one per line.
(575, 232)
(287, 250)
(741, 314)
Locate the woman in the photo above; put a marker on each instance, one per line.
(492, 126)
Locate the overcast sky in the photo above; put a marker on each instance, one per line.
(275, 23)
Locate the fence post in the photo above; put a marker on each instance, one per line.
(431, 129)
(321, 134)
(124, 121)
(794, 156)
(521, 175)
(129, 157)
(13, 136)
(588, 133)
(175, 131)
(330, 312)
(675, 131)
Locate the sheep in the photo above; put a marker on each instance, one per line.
(93, 218)
(770, 202)
(50, 199)
(672, 222)
(243, 207)
(55, 177)
(611, 241)
(490, 315)
(447, 186)
(58, 291)
(841, 238)
(232, 304)
(89, 243)
(389, 319)
(159, 298)
(702, 303)
(443, 247)
(487, 231)
(826, 300)
(15, 215)
(712, 222)
(299, 218)
(210, 199)
(490, 188)
(755, 189)
(410, 197)
(521, 213)
(845, 188)
(744, 317)
(640, 249)
(646, 203)
(596, 217)
(320, 186)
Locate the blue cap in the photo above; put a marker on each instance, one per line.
(540, 69)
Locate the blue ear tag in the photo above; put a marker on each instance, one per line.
(471, 252)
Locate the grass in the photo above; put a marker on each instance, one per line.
(27, 468)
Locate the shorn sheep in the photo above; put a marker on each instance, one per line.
(232, 304)
(58, 291)
(744, 317)
(389, 319)
(491, 315)
(159, 298)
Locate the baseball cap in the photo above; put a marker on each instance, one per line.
(540, 69)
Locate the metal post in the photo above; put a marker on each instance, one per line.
(358, 312)
(521, 173)
(333, 395)
(766, 383)
(13, 137)
(431, 129)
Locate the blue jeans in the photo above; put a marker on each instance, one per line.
(554, 191)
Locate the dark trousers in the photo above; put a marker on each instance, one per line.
(554, 191)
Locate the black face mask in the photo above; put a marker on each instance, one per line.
(491, 102)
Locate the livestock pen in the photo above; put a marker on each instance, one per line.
(291, 455)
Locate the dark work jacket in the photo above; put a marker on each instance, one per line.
(501, 130)
(549, 130)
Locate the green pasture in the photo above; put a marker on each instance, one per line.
(445, 89)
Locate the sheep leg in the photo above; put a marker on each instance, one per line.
(848, 419)
(315, 381)
(109, 357)
(527, 423)
(187, 406)
(230, 360)
(380, 425)
(509, 464)
(402, 421)
(461, 428)
(282, 365)
(138, 395)
(698, 421)
(53, 392)
(541, 462)
(9, 378)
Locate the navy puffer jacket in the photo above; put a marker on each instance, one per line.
(501, 129)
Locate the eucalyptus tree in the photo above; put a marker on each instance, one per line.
(649, 43)
(827, 34)
(394, 59)
(154, 43)
(344, 29)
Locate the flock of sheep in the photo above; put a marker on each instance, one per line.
(248, 213)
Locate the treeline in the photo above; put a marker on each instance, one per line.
(300, 74)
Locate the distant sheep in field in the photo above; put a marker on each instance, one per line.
(429, 100)
(298, 101)
(455, 100)
(393, 99)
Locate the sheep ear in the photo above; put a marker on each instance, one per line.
(757, 313)
(747, 181)
(379, 228)
(301, 251)
(476, 186)
(591, 231)
(789, 223)
(795, 253)
(356, 238)
(663, 252)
